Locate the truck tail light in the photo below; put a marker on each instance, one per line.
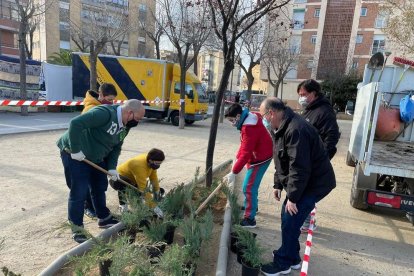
(384, 200)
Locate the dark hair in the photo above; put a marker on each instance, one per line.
(273, 103)
(155, 155)
(108, 89)
(233, 110)
(310, 85)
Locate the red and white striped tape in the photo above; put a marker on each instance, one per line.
(306, 256)
(63, 103)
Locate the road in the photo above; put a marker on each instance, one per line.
(34, 202)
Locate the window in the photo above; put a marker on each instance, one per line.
(309, 64)
(298, 19)
(378, 44)
(64, 45)
(142, 13)
(359, 39)
(299, 1)
(317, 13)
(364, 11)
(188, 89)
(313, 39)
(381, 20)
(295, 43)
(293, 72)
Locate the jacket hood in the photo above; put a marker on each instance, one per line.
(243, 117)
(287, 117)
(91, 98)
(319, 101)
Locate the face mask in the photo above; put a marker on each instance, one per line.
(266, 123)
(303, 101)
(132, 123)
(235, 122)
(154, 166)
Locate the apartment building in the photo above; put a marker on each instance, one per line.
(333, 37)
(211, 65)
(9, 28)
(58, 25)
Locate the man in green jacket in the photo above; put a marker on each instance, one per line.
(96, 135)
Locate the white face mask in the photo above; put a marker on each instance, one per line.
(303, 101)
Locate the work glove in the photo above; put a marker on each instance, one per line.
(158, 212)
(157, 196)
(114, 175)
(78, 156)
(231, 177)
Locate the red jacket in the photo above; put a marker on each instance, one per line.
(256, 144)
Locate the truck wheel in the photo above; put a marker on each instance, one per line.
(175, 118)
(349, 161)
(357, 199)
(189, 122)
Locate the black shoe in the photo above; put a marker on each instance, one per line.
(248, 223)
(79, 237)
(244, 208)
(108, 222)
(296, 264)
(272, 269)
(90, 213)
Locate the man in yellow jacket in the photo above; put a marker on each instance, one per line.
(136, 171)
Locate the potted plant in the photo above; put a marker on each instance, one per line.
(175, 261)
(174, 202)
(251, 255)
(232, 198)
(155, 232)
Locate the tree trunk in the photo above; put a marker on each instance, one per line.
(195, 65)
(223, 103)
(22, 52)
(93, 57)
(228, 67)
(182, 97)
(157, 50)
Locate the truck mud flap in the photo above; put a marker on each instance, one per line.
(390, 200)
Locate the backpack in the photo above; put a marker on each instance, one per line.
(407, 108)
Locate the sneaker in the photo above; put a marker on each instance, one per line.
(248, 223)
(79, 237)
(108, 222)
(297, 265)
(244, 209)
(90, 213)
(123, 208)
(272, 269)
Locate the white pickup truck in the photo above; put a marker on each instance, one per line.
(384, 170)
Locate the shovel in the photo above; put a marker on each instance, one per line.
(375, 62)
(106, 172)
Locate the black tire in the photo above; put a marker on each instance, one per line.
(189, 122)
(175, 118)
(357, 199)
(349, 161)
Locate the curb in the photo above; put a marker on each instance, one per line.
(57, 264)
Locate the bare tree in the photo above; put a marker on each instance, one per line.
(116, 45)
(398, 21)
(100, 25)
(187, 26)
(250, 48)
(231, 19)
(158, 31)
(28, 12)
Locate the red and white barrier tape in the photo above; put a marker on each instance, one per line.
(63, 103)
(306, 256)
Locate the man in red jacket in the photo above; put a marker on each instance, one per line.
(256, 151)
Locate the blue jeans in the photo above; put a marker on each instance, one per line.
(251, 185)
(82, 178)
(288, 253)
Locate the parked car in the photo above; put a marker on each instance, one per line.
(350, 107)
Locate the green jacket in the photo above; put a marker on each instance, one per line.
(97, 133)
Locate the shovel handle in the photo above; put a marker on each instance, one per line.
(209, 198)
(99, 168)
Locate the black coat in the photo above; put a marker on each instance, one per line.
(322, 116)
(301, 162)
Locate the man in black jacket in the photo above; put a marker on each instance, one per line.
(303, 170)
(319, 112)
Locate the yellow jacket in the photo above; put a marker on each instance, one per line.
(137, 171)
(90, 101)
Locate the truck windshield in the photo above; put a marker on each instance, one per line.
(202, 95)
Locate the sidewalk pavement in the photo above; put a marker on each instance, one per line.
(11, 122)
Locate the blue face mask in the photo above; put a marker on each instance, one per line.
(266, 123)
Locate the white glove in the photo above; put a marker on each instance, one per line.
(158, 212)
(78, 156)
(114, 175)
(231, 177)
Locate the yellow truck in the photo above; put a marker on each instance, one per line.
(157, 82)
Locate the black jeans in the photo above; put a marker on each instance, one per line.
(121, 188)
